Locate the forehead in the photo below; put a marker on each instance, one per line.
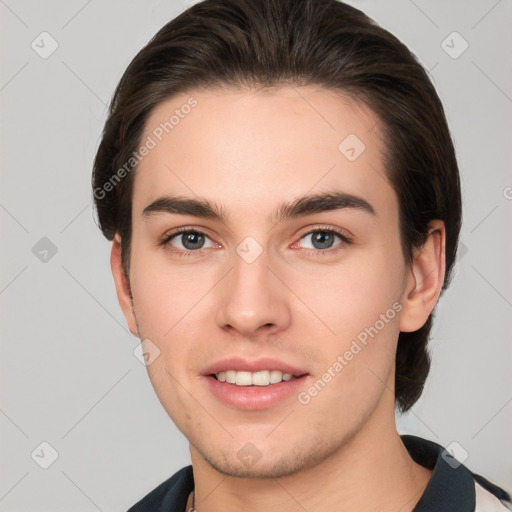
(241, 147)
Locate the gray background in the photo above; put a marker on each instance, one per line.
(68, 373)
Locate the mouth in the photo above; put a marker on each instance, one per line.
(253, 385)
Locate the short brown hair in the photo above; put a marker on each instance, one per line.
(265, 43)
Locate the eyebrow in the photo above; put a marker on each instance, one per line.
(305, 205)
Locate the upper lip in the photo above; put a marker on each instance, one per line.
(257, 365)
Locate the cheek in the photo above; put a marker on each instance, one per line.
(359, 302)
(164, 293)
(356, 355)
(352, 296)
(168, 314)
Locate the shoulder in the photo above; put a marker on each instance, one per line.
(169, 495)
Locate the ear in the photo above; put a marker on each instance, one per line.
(425, 279)
(122, 286)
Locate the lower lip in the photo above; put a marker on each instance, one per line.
(254, 398)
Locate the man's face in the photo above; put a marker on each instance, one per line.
(256, 292)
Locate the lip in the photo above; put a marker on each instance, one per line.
(253, 398)
(258, 365)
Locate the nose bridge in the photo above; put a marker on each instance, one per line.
(252, 296)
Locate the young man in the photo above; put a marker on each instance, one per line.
(281, 189)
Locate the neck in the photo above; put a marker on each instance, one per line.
(372, 471)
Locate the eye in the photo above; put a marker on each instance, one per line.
(324, 239)
(187, 240)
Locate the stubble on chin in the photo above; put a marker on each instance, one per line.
(270, 465)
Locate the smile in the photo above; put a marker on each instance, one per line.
(254, 385)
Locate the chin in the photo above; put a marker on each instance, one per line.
(249, 462)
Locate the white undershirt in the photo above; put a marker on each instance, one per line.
(487, 502)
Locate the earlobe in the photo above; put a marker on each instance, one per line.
(425, 279)
(122, 287)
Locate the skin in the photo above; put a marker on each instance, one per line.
(249, 152)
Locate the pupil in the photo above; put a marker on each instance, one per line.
(322, 240)
(192, 241)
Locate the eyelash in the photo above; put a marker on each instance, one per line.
(345, 240)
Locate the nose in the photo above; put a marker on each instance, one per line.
(253, 298)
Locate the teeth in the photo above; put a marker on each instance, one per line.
(263, 378)
(243, 379)
(276, 376)
(231, 376)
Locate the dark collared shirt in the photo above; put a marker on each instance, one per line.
(452, 487)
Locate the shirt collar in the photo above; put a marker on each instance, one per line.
(451, 486)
